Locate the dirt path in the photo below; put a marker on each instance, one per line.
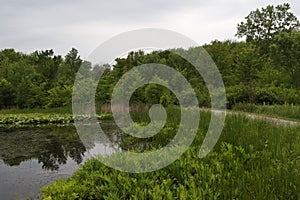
(273, 119)
(262, 117)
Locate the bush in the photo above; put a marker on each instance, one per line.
(7, 93)
(236, 94)
(59, 96)
(265, 96)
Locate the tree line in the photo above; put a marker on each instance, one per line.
(263, 69)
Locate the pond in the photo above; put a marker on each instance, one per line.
(31, 157)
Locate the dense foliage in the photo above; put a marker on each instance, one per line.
(250, 75)
(40, 79)
(264, 69)
(263, 24)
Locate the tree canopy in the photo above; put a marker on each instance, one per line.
(264, 23)
(44, 79)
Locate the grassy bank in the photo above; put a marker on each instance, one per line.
(252, 160)
(16, 117)
(285, 111)
(35, 119)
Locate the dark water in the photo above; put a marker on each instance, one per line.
(31, 157)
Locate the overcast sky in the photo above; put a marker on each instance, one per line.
(28, 25)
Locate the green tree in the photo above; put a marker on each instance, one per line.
(30, 94)
(7, 93)
(59, 96)
(248, 63)
(73, 60)
(285, 53)
(47, 64)
(263, 24)
(158, 94)
(222, 54)
(11, 55)
(105, 87)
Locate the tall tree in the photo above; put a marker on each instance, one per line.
(285, 52)
(46, 64)
(29, 93)
(69, 67)
(248, 63)
(73, 60)
(222, 54)
(7, 93)
(262, 24)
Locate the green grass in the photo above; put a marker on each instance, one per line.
(252, 160)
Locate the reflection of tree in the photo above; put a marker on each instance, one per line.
(52, 159)
(50, 145)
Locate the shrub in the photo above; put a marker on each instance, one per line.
(59, 96)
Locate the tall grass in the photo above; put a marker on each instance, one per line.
(252, 160)
(106, 108)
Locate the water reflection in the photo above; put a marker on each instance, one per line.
(50, 145)
(31, 157)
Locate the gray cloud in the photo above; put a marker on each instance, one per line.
(32, 24)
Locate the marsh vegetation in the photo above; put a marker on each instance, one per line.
(253, 159)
